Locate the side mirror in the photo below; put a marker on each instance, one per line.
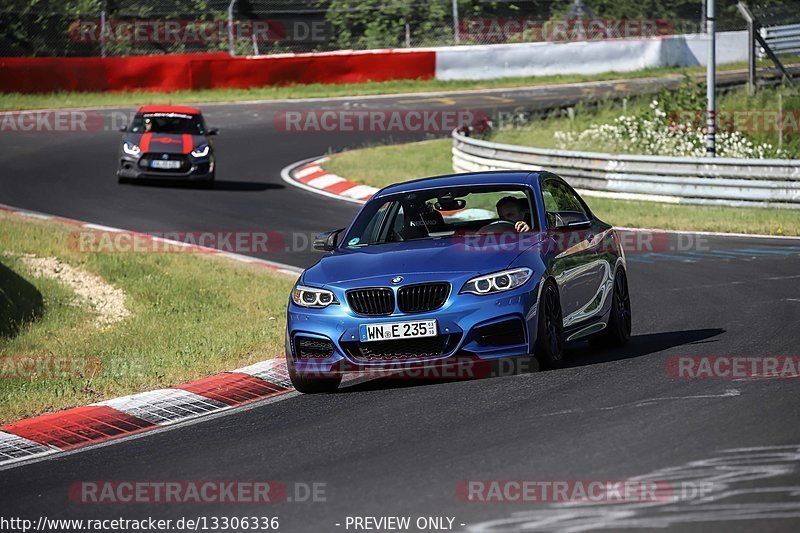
(578, 225)
(123, 129)
(567, 220)
(213, 131)
(327, 241)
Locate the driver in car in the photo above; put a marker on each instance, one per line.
(514, 210)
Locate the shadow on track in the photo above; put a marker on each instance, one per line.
(219, 185)
(581, 354)
(578, 353)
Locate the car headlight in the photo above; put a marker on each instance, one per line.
(131, 149)
(201, 151)
(311, 297)
(498, 282)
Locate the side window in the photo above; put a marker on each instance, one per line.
(562, 205)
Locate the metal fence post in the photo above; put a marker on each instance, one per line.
(711, 82)
(456, 30)
(231, 42)
(103, 29)
(751, 51)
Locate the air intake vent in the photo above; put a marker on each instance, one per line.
(402, 349)
(506, 333)
(422, 297)
(312, 348)
(371, 302)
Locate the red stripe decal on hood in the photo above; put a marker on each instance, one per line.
(187, 143)
(144, 144)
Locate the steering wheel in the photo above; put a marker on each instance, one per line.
(498, 226)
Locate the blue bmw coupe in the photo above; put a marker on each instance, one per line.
(465, 267)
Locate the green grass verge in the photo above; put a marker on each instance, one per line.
(192, 316)
(11, 101)
(383, 165)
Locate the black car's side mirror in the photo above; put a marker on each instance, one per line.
(213, 131)
(123, 129)
(327, 241)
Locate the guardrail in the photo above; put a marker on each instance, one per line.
(783, 39)
(718, 181)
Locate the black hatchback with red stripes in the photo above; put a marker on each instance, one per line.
(167, 142)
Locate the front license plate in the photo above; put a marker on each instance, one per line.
(397, 330)
(157, 163)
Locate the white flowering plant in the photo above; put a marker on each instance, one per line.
(668, 127)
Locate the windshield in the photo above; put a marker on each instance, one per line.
(439, 213)
(168, 123)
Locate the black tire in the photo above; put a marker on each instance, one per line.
(618, 330)
(122, 180)
(312, 383)
(550, 336)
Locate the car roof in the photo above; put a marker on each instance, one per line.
(499, 177)
(169, 109)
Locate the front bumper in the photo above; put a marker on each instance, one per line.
(194, 169)
(474, 326)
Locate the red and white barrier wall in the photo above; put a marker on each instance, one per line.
(207, 71)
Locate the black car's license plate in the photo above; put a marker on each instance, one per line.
(158, 163)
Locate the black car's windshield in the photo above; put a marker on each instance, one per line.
(168, 123)
(445, 212)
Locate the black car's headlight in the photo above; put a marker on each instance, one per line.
(504, 280)
(201, 151)
(312, 297)
(131, 149)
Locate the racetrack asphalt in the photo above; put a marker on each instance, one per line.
(401, 447)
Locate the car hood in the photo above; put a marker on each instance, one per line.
(471, 255)
(166, 143)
